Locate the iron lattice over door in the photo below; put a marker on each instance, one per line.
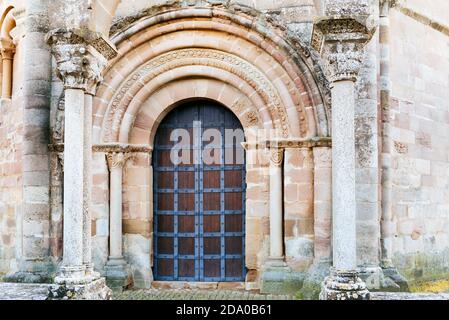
(199, 206)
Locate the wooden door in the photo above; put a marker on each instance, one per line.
(199, 205)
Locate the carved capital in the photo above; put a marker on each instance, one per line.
(389, 3)
(79, 65)
(341, 42)
(117, 159)
(277, 156)
(385, 6)
(94, 69)
(7, 49)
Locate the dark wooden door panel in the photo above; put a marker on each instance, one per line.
(199, 215)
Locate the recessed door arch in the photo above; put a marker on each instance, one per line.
(199, 197)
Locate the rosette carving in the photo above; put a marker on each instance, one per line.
(277, 156)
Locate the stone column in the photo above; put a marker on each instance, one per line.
(80, 55)
(276, 206)
(275, 271)
(343, 176)
(73, 269)
(87, 176)
(77, 68)
(117, 272)
(7, 50)
(341, 39)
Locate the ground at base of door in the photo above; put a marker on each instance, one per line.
(185, 294)
(21, 291)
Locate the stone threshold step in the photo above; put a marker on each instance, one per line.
(23, 291)
(234, 286)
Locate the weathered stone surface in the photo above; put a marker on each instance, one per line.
(95, 290)
(280, 279)
(313, 280)
(344, 285)
(12, 291)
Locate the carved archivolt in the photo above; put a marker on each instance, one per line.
(295, 83)
(204, 57)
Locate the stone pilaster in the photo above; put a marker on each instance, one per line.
(340, 38)
(33, 240)
(367, 164)
(117, 271)
(393, 281)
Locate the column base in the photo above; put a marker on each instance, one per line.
(384, 279)
(91, 274)
(118, 275)
(344, 285)
(278, 278)
(95, 290)
(72, 275)
(401, 284)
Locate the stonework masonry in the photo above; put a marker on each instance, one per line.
(85, 85)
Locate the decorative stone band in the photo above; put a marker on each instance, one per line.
(300, 143)
(103, 46)
(107, 148)
(440, 26)
(290, 143)
(56, 147)
(341, 41)
(80, 56)
(123, 148)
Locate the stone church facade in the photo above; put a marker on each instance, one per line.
(345, 109)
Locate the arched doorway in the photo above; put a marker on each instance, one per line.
(199, 195)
